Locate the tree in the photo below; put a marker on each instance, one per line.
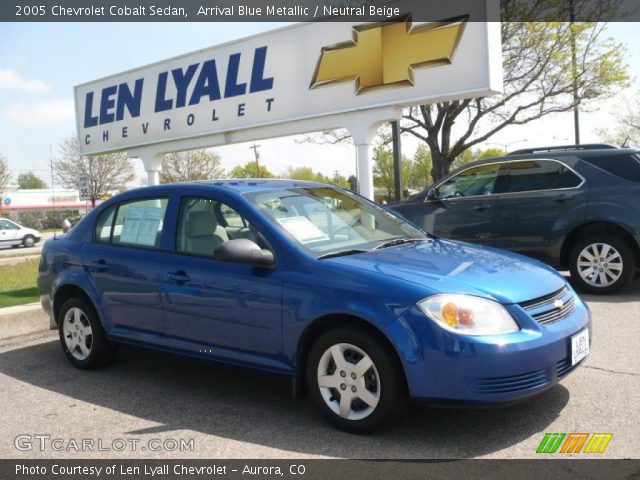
(106, 172)
(539, 78)
(304, 173)
(339, 180)
(421, 171)
(490, 152)
(383, 170)
(191, 165)
(250, 170)
(626, 132)
(5, 175)
(30, 180)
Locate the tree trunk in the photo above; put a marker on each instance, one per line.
(93, 201)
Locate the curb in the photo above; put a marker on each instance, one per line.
(23, 319)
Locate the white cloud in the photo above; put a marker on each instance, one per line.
(12, 80)
(48, 111)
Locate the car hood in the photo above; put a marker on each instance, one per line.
(445, 266)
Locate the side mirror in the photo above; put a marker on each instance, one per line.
(432, 195)
(243, 250)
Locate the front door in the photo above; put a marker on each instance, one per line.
(463, 206)
(9, 233)
(229, 311)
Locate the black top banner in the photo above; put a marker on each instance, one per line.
(312, 10)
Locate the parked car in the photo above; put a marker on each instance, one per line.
(575, 208)
(315, 283)
(13, 234)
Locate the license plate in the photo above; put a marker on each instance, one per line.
(579, 346)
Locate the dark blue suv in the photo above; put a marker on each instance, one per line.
(575, 208)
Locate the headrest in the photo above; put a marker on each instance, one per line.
(201, 223)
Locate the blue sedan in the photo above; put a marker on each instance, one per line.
(363, 310)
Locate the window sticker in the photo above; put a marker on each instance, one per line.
(141, 225)
(302, 229)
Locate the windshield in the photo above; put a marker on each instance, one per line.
(323, 219)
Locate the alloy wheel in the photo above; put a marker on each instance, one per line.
(77, 333)
(600, 265)
(349, 381)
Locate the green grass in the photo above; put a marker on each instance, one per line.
(18, 283)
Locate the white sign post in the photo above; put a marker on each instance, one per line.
(302, 78)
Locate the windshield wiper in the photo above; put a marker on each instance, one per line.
(398, 241)
(341, 253)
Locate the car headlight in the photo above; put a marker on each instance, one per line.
(468, 315)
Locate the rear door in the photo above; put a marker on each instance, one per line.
(543, 198)
(125, 266)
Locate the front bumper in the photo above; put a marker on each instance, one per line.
(457, 369)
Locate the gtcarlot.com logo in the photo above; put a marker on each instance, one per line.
(45, 442)
(574, 442)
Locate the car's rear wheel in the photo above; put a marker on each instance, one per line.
(602, 264)
(355, 379)
(83, 339)
(28, 241)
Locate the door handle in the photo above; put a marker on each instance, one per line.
(99, 265)
(563, 197)
(180, 277)
(481, 207)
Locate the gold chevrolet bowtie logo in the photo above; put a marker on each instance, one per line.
(386, 54)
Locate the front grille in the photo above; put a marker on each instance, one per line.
(513, 383)
(551, 308)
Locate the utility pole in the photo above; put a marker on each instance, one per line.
(574, 73)
(257, 155)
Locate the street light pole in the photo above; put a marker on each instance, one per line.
(574, 73)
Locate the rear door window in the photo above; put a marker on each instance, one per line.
(139, 223)
(536, 175)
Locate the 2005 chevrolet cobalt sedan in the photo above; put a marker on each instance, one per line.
(313, 282)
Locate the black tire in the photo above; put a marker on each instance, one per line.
(392, 390)
(100, 349)
(28, 241)
(627, 259)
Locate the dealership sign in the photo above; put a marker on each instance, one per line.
(304, 71)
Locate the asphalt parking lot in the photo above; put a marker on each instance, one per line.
(236, 414)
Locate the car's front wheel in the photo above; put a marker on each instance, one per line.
(28, 241)
(83, 339)
(355, 379)
(602, 264)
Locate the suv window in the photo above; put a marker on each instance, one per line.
(470, 183)
(623, 166)
(138, 223)
(204, 224)
(535, 175)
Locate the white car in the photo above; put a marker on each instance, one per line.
(14, 234)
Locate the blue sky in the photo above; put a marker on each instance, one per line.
(40, 64)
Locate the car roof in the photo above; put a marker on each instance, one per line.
(551, 154)
(232, 185)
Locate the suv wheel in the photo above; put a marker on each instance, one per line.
(29, 241)
(355, 380)
(83, 339)
(602, 264)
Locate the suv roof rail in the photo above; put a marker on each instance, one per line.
(585, 146)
